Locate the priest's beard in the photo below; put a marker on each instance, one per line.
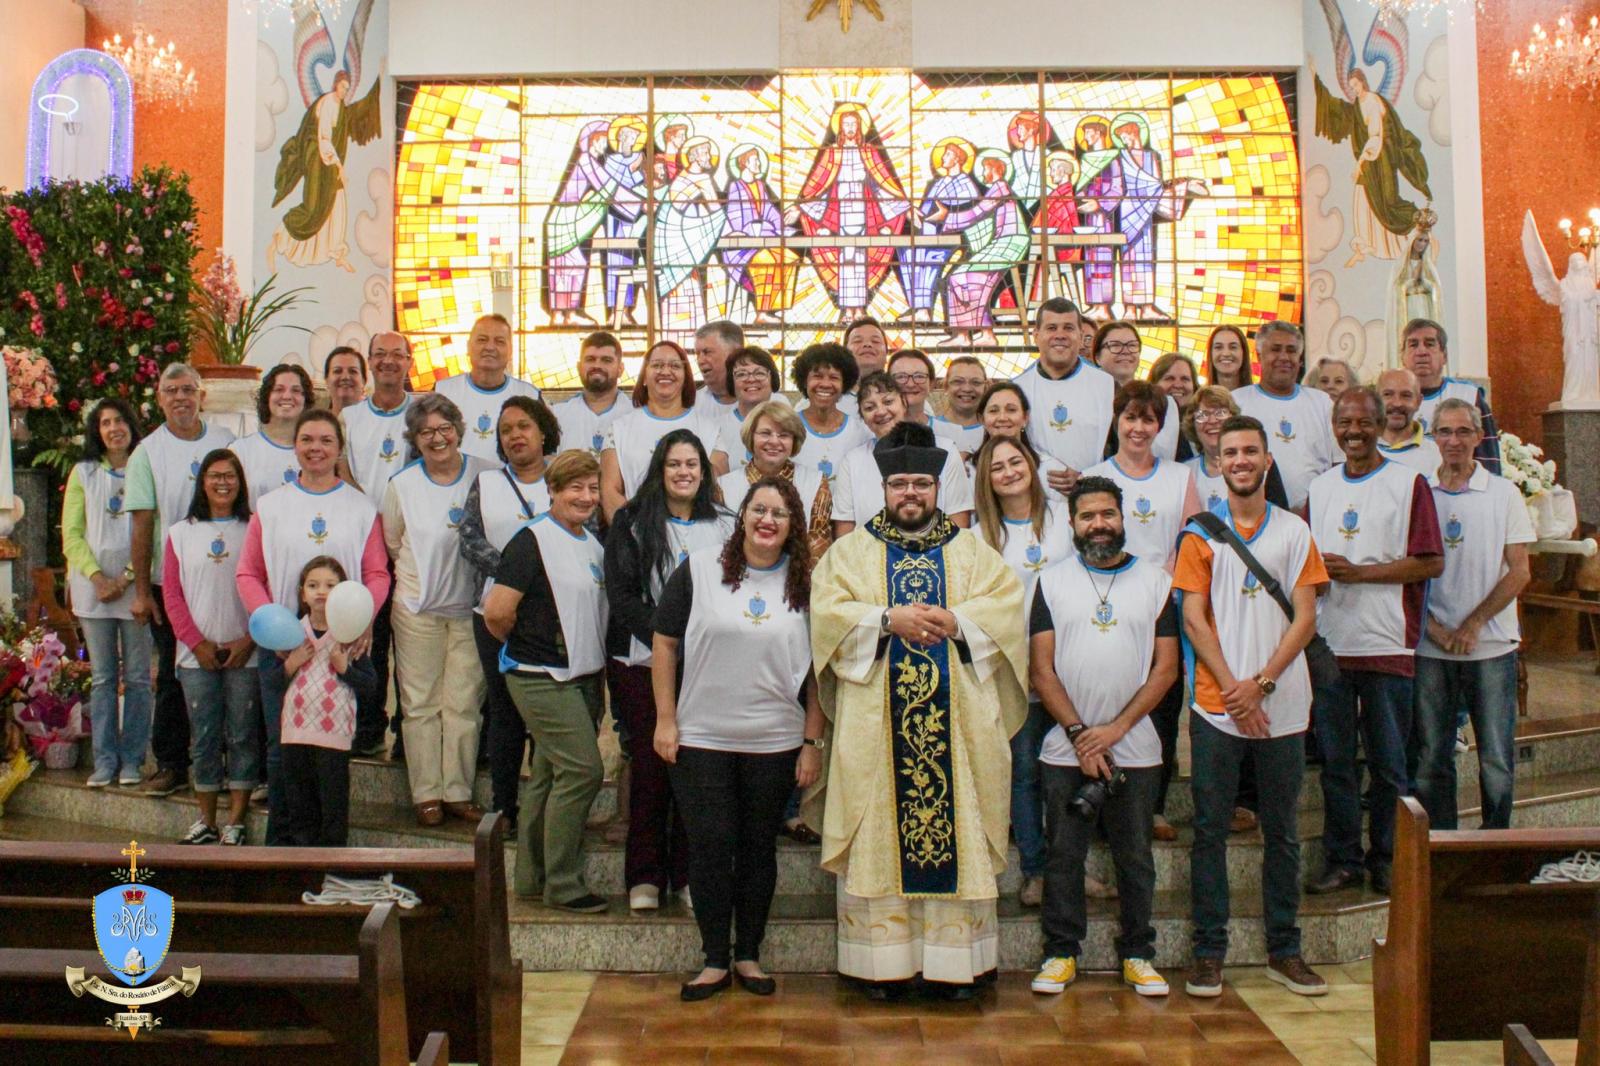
(912, 516)
(1099, 549)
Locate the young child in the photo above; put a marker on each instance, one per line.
(319, 717)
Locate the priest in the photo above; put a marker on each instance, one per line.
(916, 630)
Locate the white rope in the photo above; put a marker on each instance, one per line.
(1583, 866)
(337, 890)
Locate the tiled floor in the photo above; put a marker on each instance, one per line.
(578, 1019)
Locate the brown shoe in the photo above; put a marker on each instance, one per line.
(467, 811)
(430, 813)
(1244, 820)
(1162, 830)
(1292, 973)
(1205, 978)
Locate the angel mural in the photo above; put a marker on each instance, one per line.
(689, 223)
(1384, 149)
(766, 275)
(1579, 302)
(995, 238)
(315, 230)
(852, 191)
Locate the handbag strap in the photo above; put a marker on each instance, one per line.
(1220, 530)
(526, 510)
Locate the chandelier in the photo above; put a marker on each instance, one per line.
(156, 71)
(329, 9)
(1421, 9)
(1563, 61)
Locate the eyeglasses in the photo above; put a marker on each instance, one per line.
(919, 378)
(658, 365)
(773, 434)
(751, 374)
(186, 391)
(1122, 347)
(1211, 414)
(1464, 433)
(223, 478)
(440, 432)
(777, 514)
(915, 484)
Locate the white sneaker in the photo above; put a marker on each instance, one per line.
(233, 835)
(688, 900)
(99, 779)
(644, 898)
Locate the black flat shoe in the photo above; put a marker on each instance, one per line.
(756, 986)
(693, 993)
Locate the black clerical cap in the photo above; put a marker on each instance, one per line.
(909, 449)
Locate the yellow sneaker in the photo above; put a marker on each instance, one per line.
(1143, 977)
(1056, 974)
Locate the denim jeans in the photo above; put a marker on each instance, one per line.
(118, 747)
(1280, 763)
(274, 684)
(1486, 690)
(222, 714)
(1126, 819)
(1027, 799)
(1379, 706)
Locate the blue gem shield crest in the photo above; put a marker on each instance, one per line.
(132, 928)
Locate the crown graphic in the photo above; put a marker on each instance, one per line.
(133, 896)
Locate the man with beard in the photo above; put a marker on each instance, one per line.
(1378, 532)
(584, 416)
(916, 629)
(1252, 698)
(1106, 607)
(1403, 439)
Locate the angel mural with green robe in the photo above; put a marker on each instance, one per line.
(316, 229)
(1385, 151)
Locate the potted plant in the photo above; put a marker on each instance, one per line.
(231, 322)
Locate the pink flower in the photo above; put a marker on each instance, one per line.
(61, 295)
(36, 324)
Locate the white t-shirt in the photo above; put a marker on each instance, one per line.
(480, 408)
(297, 525)
(584, 428)
(173, 464)
(1449, 389)
(634, 437)
(1069, 417)
(1153, 507)
(109, 533)
(1365, 520)
(745, 656)
(1422, 456)
(826, 451)
(966, 439)
(1299, 434)
(1029, 555)
(736, 483)
(1477, 523)
(423, 518)
(686, 537)
(208, 560)
(1212, 491)
(267, 464)
(375, 445)
(858, 494)
(1106, 618)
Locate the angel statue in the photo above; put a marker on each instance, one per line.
(1384, 149)
(314, 230)
(1579, 301)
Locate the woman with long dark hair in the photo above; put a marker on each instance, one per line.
(97, 540)
(674, 513)
(268, 453)
(1228, 358)
(663, 400)
(745, 726)
(1004, 411)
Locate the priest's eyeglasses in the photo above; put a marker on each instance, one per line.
(910, 484)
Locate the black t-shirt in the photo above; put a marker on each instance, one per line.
(677, 600)
(536, 637)
(1040, 619)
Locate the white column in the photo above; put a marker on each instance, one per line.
(1469, 356)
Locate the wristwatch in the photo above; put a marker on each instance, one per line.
(1268, 686)
(820, 743)
(883, 622)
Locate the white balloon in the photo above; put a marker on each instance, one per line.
(349, 610)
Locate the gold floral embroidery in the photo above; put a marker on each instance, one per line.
(926, 827)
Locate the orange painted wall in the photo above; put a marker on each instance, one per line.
(1538, 154)
(188, 139)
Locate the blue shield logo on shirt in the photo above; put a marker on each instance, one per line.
(485, 425)
(114, 505)
(456, 514)
(132, 928)
(319, 529)
(1285, 430)
(597, 443)
(598, 575)
(1143, 511)
(1251, 585)
(757, 610)
(1104, 617)
(386, 450)
(1059, 418)
(219, 550)
(1035, 557)
(1452, 532)
(1214, 501)
(288, 474)
(194, 469)
(825, 468)
(1350, 523)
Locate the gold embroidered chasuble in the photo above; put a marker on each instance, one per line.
(872, 834)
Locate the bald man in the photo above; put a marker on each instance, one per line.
(1402, 439)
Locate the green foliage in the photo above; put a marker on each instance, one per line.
(96, 278)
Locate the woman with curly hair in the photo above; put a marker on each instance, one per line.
(745, 726)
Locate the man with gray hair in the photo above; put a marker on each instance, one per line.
(1424, 349)
(713, 343)
(1403, 439)
(160, 487)
(484, 388)
(1299, 421)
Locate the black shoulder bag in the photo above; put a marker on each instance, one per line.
(1320, 659)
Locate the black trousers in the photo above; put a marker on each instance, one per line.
(317, 781)
(169, 727)
(372, 701)
(732, 807)
(507, 735)
(1165, 717)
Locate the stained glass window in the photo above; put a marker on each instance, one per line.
(947, 206)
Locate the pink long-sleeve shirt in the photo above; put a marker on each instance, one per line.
(252, 576)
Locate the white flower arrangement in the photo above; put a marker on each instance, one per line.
(1524, 465)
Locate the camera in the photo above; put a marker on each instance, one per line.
(1093, 795)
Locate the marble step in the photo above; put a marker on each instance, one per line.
(801, 934)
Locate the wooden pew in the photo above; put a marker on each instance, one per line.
(1473, 947)
(460, 978)
(270, 1007)
(1519, 1048)
(435, 1050)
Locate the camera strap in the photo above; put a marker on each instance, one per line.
(1220, 530)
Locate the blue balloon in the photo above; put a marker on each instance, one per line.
(274, 627)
